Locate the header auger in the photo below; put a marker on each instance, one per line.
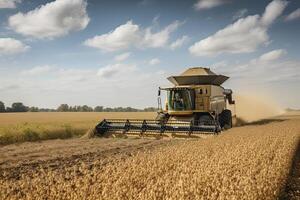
(195, 104)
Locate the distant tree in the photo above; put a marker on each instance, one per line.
(2, 107)
(150, 109)
(63, 108)
(98, 109)
(9, 109)
(46, 110)
(108, 110)
(78, 108)
(129, 109)
(33, 109)
(19, 107)
(86, 108)
(118, 109)
(73, 108)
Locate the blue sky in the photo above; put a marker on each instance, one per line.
(116, 53)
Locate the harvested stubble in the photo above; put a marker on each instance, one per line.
(243, 163)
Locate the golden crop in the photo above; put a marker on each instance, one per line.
(21, 127)
(250, 162)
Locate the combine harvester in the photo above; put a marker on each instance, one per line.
(195, 105)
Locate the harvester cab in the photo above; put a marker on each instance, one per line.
(195, 104)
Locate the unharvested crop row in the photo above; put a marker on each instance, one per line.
(244, 163)
(22, 127)
(35, 132)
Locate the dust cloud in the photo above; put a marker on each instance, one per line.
(255, 107)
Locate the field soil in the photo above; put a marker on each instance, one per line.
(256, 161)
(18, 159)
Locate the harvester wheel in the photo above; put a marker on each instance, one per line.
(225, 119)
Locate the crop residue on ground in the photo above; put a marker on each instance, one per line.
(250, 162)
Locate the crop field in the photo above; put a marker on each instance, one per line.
(258, 161)
(20, 127)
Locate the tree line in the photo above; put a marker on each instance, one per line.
(20, 107)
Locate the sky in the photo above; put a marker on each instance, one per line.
(117, 53)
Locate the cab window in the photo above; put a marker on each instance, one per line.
(179, 100)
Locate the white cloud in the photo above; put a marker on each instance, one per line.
(154, 61)
(122, 56)
(9, 90)
(9, 46)
(268, 67)
(239, 14)
(9, 87)
(54, 19)
(39, 70)
(160, 38)
(116, 69)
(207, 4)
(219, 64)
(121, 38)
(272, 55)
(70, 75)
(273, 11)
(131, 35)
(144, 3)
(293, 15)
(62, 75)
(179, 42)
(243, 36)
(9, 3)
